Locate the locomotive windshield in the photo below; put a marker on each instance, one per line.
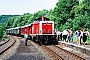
(46, 19)
(38, 20)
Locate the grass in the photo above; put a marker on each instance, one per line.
(88, 39)
(3, 38)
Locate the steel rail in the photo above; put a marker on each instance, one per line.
(70, 53)
(3, 42)
(5, 46)
(57, 57)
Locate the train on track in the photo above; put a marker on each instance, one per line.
(41, 31)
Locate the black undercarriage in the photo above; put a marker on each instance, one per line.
(45, 39)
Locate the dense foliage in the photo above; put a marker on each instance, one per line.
(24, 19)
(66, 14)
(1, 30)
(4, 18)
(71, 14)
(63, 15)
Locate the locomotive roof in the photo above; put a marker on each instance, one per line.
(43, 17)
(26, 25)
(13, 28)
(16, 28)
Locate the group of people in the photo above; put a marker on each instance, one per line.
(67, 35)
(82, 35)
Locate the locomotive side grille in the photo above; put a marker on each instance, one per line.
(47, 32)
(46, 28)
(50, 31)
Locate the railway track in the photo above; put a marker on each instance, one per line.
(7, 44)
(55, 51)
(61, 54)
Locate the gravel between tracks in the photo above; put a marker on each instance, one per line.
(44, 52)
(31, 52)
(10, 51)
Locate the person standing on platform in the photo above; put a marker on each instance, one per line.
(71, 34)
(68, 35)
(85, 34)
(78, 34)
(26, 38)
(81, 35)
(65, 34)
(58, 35)
(61, 36)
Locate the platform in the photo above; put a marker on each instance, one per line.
(85, 49)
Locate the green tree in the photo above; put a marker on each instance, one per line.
(82, 15)
(1, 31)
(63, 12)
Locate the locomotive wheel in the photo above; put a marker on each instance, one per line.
(38, 40)
(56, 42)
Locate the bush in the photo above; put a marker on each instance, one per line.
(3, 38)
(1, 32)
(88, 40)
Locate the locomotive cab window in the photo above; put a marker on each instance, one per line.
(38, 20)
(46, 19)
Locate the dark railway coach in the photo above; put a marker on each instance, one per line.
(41, 31)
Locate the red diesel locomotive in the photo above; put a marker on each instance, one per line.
(41, 31)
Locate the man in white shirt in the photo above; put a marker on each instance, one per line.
(65, 34)
(26, 38)
(58, 34)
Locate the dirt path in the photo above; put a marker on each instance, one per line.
(27, 52)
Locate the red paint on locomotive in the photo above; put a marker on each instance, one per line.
(26, 28)
(39, 26)
(35, 28)
(46, 28)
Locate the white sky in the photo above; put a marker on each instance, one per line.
(20, 7)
